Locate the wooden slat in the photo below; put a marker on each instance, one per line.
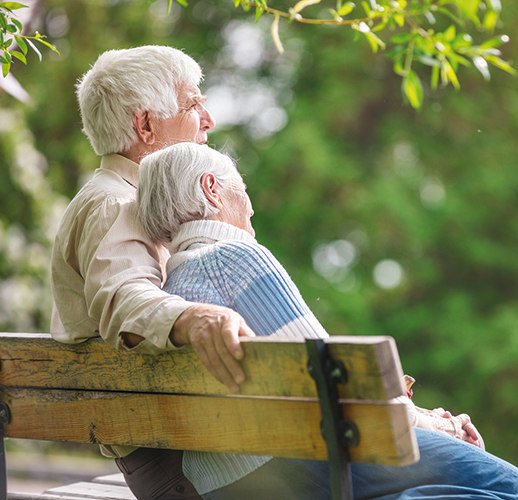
(264, 426)
(273, 368)
(113, 479)
(87, 490)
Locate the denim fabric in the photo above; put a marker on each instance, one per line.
(448, 469)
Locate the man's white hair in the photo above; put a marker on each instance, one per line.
(169, 192)
(123, 82)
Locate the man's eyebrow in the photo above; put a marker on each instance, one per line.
(199, 98)
(193, 99)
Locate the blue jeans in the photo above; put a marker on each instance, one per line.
(448, 469)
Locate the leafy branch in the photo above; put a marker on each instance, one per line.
(443, 51)
(11, 31)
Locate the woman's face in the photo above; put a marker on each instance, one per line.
(237, 208)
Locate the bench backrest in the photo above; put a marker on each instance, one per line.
(92, 393)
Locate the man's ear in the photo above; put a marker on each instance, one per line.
(210, 188)
(143, 124)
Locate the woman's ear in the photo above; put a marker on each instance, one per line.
(210, 188)
(144, 126)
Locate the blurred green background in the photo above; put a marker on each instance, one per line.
(391, 222)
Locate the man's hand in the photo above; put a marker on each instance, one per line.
(214, 333)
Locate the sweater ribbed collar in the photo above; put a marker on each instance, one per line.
(205, 232)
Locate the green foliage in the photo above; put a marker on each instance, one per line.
(11, 31)
(442, 49)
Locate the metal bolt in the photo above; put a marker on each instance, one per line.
(349, 434)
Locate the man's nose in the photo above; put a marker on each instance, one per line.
(207, 121)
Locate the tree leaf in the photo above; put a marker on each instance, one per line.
(450, 33)
(19, 56)
(400, 19)
(398, 67)
(469, 8)
(34, 48)
(496, 5)
(428, 60)
(494, 42)
(501, 64)
(275, 35)
(259, 11)
(413, 89)
(47, 44)
(299, 6)
(481, 64)
(18, 24)
(434, 79)
(12, 5)
(21, 43)
(345, 9)
(490, 20)
(452, 76)
(375, 41)
(183, 3)
(401, 38)
(5, 69)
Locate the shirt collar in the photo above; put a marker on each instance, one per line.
(207, 232)
(122, 166)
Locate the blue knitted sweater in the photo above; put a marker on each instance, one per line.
(216, 263)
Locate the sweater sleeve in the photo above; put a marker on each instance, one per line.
(260, 289)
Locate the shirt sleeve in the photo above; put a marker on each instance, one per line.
(260, 289)
(122, 281)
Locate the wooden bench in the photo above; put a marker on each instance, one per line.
(91, 393)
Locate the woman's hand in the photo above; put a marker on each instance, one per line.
(443, 421)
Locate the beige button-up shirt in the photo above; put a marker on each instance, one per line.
(106, 273)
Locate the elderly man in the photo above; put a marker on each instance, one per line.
(106, 272)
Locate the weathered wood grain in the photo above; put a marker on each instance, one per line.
(272, 367)
(236, 424)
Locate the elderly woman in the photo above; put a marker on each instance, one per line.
(194, 199)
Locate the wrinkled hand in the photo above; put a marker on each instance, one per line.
(459, 426)
(464, 429)
(214, 333)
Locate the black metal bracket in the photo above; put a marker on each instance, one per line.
(338, 433)
(5, 418)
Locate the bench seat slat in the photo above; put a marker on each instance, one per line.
(264, 426)
(91, 490)
(273, 367)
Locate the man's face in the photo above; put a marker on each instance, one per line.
(192, 121)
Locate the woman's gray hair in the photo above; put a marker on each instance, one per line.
(169, 191)
(123, 82)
